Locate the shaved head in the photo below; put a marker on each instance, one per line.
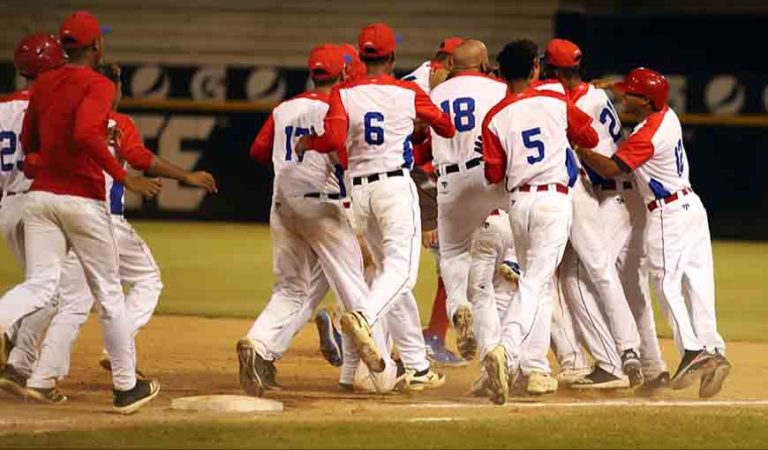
(471, 55)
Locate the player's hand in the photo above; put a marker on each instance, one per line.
(603, 83)
(147, 187)
(429, 238)
(202, 179)
(303, 145)
(437, 76)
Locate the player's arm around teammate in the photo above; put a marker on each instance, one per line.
(677, 228)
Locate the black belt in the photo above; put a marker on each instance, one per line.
(357, 181)
(612, 185)
(11, 194)
(453, 168)
(323, 195)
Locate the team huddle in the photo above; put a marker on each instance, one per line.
(549, 226)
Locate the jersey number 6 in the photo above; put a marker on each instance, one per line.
(373, 135)
(530, 142)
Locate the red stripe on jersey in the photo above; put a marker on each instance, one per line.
(15, 96)
(579, 91)
(638, 148)
(477, 74)
(131, 148)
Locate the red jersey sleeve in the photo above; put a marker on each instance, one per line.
(261, 148)
(30, 139)
(131, 147)
(336, 125)
(580, 130)
(91, 127)
(431, 114)
(422, 153)
(493, 153)
(637, 149)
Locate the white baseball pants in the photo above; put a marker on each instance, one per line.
(682, 272)
(27, 333)
(541, 223)
(139, 274)
(52, 225)
(464, 200)
(387, 213)
(588, 239)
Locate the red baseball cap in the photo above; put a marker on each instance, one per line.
(354, 68)
(38, 53)
(376, 40)
(449, 44)
(563, 53)
(647, 83)
(80, 29)
(326, 61)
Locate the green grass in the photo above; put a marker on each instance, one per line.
(224, 270)
(641, 428)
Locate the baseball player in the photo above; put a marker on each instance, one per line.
(587, 252)
(308, 226)
(613, 208)
(370, 122)
(526, 146)
(677, 229)
(137, 268)
(427, 76)
(33, 55)
(64, 130)
(464, 200)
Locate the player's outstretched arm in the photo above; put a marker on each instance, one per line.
(167, 169)
(147, 187)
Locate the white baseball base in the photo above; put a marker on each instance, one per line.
(226, 403)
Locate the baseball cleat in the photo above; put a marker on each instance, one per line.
(540, 383)
(567, 376)
(347, 387)
(693, 366)
(632, 368)
(712, 382)
(5, 349)
(495, 365)
(653, 385)
(12, 381)
(479, 386)
(510, 270)
(128, 402)
(426, 379)
(437, 353)
(51, 396)
(601, 379)
(253, 370)
(355, 325)
(465, 335)
(330, 339)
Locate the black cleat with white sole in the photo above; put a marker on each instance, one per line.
(128, 402)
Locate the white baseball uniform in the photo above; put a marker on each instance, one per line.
(373, 119)
(677, 230)
(26, 333)
(138, 270)
(66, 207)
(464, 199)
(609, 208)
(526, 147)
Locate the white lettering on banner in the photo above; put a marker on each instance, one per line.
(209, 83)
(171, 133)
(265, 84)
(724, 95)
(150, 82)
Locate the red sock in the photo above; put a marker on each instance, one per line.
(438, 323)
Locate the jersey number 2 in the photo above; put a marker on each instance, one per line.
(530, 141)
(8, 143)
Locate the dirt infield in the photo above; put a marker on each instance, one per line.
(195, 356)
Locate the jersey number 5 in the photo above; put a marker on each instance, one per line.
(530, 141)
(8, 143)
